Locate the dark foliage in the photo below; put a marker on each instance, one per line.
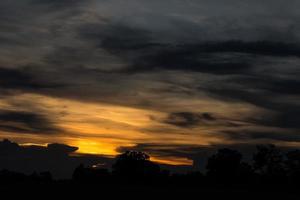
(269, 164)
(135, 164)
(224, 165)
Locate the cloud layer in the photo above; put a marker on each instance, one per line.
(105, 74)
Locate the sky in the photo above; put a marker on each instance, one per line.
(167, 77)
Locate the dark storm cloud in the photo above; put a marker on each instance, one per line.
(26, 122)
(55, 158)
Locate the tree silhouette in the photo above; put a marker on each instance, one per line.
(135, 164)
(79, 173)
(224, 165)
(293, 166)
(90, 174)
(271, 168)
(245, 173)
(269, 162)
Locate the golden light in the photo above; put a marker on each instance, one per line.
(101, 128)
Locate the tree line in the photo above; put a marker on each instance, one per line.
(269, 166)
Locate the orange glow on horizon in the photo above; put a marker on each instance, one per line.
(172, 160)
(101, 128)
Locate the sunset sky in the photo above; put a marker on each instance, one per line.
(162, 76)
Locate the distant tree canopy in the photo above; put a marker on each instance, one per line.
(269, 164)
(224, 164)
(134, 163)
(269, 161)
(293, 166)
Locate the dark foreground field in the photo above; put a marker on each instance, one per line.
(66, 189)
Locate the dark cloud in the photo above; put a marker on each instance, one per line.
(230, 57)
(256, 97)
(283, 119)
(270, 93)
(61, 148)
(26, 122)
(115, 36)
(190, 120)
(21, 79)
(187, 119)
(144, 52)
(242, 135)
(268, 48)
(190, 62)
(55, 158)
(271, 84)
(56, 3)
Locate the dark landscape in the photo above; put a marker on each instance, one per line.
(189, 99)
(271, 174)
